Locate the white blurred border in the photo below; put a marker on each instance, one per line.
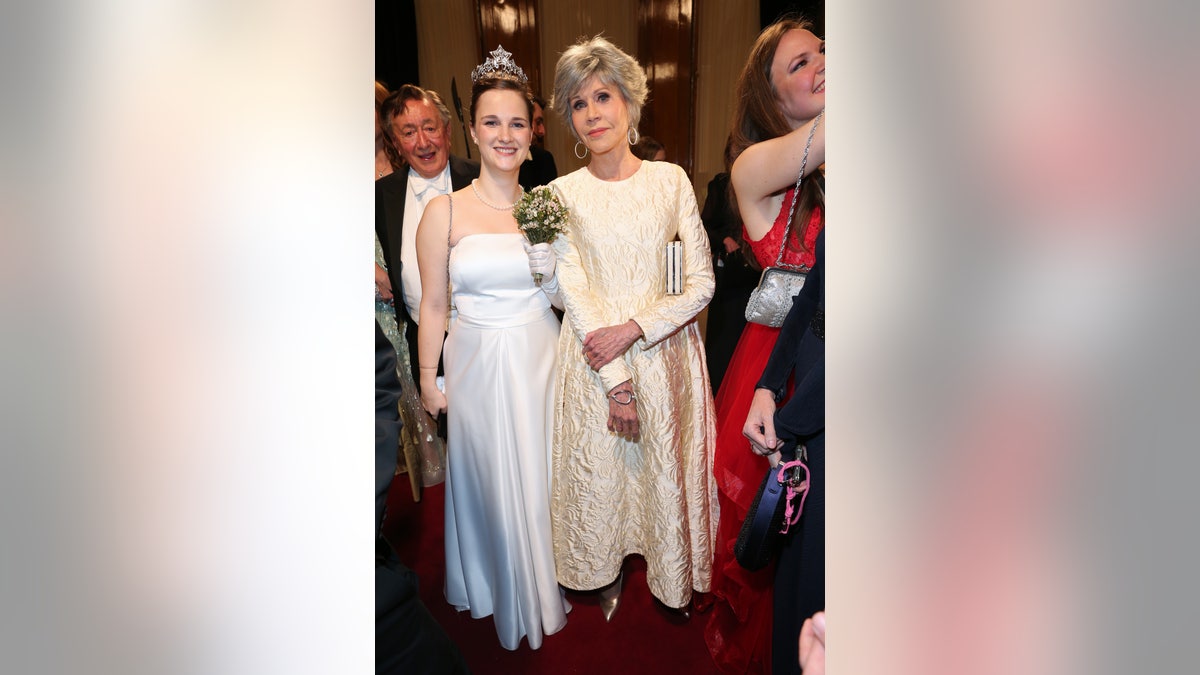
(201, 362)
(184, 218)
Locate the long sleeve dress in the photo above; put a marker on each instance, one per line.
(654, 497)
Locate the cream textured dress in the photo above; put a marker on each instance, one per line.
(656, 497)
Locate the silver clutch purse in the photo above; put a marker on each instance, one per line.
(675, 277)
(771, 301)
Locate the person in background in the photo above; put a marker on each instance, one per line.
(419, 124)
(650, 150)
(736, 278)
(387, 158)
(780, 99)
(539, 122)
(500, 363)
(634, 425)
(798, 425)
(407, 638)
(420, 446)
(539, 167)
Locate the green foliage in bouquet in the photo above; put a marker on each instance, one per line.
(540, 215)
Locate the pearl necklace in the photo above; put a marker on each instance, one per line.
(487, 203)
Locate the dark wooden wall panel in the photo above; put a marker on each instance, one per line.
(396, 43)
(513, 24)
(667, 50)
(813, 10)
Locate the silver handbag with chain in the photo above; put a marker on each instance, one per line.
(771, 300)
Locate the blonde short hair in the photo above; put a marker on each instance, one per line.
(602, 59)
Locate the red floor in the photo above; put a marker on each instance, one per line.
(642, 638)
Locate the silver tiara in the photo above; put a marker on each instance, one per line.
(499, 63)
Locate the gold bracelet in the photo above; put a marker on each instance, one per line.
(631, 399)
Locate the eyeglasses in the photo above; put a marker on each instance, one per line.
(430, 130)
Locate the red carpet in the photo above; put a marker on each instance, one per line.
(642, 638)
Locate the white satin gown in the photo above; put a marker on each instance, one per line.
(500, 362)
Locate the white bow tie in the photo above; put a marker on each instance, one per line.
(421, 185)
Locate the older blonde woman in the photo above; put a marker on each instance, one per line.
(634, 427)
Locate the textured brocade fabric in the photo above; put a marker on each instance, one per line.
(655, 497)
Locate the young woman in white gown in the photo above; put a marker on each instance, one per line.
(500, 363)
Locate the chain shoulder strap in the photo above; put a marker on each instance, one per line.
(449, 229)
(796, 197)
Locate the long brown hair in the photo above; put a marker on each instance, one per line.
(758, 117)
(389, 147)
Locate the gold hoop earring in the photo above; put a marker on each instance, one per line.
(633, 136)
(585, 150)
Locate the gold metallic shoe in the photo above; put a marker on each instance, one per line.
(610, 597)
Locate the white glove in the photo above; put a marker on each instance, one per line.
(541, 260)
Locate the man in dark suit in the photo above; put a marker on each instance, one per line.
(539, 167)
(798, 356)
(539, 122)
(735, 279)
(419, 125)
(407, 639)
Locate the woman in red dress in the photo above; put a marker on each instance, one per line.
(780, 94)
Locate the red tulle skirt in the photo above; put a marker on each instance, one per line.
(738, 631)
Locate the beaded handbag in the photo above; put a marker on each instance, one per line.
(771, 300)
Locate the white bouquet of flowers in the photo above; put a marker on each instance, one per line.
(541, 217)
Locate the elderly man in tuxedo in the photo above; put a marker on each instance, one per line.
(419, 125)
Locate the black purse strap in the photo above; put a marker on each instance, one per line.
(796, 197)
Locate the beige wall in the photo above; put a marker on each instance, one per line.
(725, 29)
(561, 23)
(454, 55)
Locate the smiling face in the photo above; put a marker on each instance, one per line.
(600, 117)
(423, 138)
(798, 76)
(502, 129)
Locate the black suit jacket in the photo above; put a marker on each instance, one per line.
(800, 353)
(539, 169)
(387, 421)
(391, 192)
(407, 639)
